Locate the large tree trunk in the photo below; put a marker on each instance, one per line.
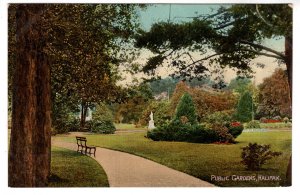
(30, 142)
(289, 65)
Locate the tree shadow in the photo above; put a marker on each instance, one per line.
(56, 179)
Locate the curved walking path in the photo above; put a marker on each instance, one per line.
(126, 170)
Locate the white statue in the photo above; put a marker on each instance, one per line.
(151, 116)
(151, 122)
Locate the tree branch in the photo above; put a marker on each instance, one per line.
(224, 25)
(279, 55)
(206, 58)
(264, 54)
(190, 57)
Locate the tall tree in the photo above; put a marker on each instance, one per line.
(29, 152)
(245, 108)
(82, 43)
(186, 108)
(274, 95)
(87, 49)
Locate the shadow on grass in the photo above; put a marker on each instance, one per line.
(55, 178)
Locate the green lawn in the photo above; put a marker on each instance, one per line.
(125, 126)
(71, 169)
(203, 160)
(275, 125)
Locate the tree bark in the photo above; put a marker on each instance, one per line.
(30, 142)
(289, 66)
(84, 107)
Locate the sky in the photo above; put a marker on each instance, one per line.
(181, 13)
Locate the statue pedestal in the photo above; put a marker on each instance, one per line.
(151, 125)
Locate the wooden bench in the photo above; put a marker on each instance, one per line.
(83, 148)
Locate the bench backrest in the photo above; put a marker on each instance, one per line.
(81, 141)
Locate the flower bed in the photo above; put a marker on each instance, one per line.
(270, 121)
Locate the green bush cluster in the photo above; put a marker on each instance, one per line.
(197, 133)
(66, 124)
(177, 131)
(220, 118)
(184, 126)
(102, 120)
(105, 127)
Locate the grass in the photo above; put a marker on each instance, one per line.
(126, 126)
(204, 160)
(275, 125)
(71, 169)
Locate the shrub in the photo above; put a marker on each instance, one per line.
(74, 124)
(105, 127)
(102, 120)
(177, 131)
(102, 113)
(66, 124)
(235, 129)
(186, 108)
(285, 119)
(223, 134)
(253, 125)
(278, 118)
(87, 126)
(262, 119)
(221, 118)
(255, 155)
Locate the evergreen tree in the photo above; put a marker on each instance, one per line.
(244, 108)
(186, 108)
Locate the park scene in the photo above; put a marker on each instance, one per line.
(150, 95)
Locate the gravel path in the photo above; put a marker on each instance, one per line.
(126, 170)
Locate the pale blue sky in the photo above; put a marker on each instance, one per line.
(178, 12)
